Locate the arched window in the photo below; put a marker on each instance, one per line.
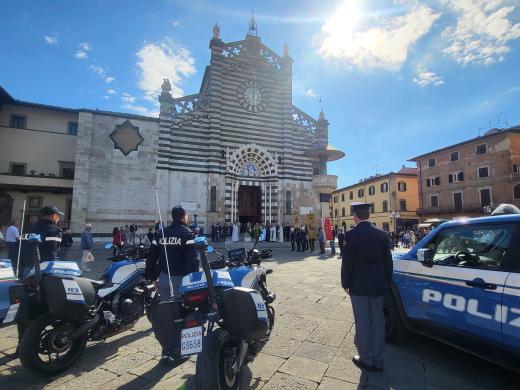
(351, 196)
(371, 190)
(360, 193)
(516, 191)
(385, 206)
(384, 187)
(343, 212)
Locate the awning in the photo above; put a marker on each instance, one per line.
(424, 225)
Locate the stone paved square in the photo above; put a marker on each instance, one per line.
(311, 347)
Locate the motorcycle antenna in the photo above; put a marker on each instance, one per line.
(164, 246)
(20, 240)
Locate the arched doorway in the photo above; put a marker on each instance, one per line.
(6, 208)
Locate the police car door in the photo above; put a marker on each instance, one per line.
(511, 316)
(462, 290)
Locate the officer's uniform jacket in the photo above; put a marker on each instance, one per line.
(44, 250)
(179, 241)
(367, 266)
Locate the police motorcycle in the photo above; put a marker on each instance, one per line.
(57, 311)
(130, 251)
(227, 315)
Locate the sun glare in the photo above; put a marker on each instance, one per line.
(344, 20)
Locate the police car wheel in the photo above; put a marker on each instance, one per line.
(395, 330)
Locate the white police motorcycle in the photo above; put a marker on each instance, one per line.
(57, 311)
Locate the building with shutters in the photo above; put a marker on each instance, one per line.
(472, 177)
(393, 198)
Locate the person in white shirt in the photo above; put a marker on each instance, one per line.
(11, 239)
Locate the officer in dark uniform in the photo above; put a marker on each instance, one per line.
(50, 239)
(182, 259)
(366, 275)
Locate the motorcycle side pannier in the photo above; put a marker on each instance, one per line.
(68, 298)
(245, 313)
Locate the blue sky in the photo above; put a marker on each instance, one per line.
(397, 77)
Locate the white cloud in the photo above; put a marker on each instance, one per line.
(424, 78)
(141, 110)
(109, 79)
(106, 97)
(98, 70)
(310, 92)
(126, 97)
(50, 39)
(80, 55)
(482, 33)
(175, 23)
(111, 91)
(85, 46)
(165, 60)
(382, 44)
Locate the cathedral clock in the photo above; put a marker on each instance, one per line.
(252, 96)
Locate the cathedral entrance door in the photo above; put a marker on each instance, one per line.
(249, 204)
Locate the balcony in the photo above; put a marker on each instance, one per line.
(325, 184)
(35, 183)
(472, 208)
(515, 176)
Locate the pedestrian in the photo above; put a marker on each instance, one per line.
(366, 275)
(341, 238)
(213, 232)
(66, 243)
(177, 240)
(150, 235)
(333, 242)
(87, 243)
(292, 238)
(126, 234)
(304, 236)
(312, 238)
(321, 240)
(117, 240)
(12, 235)
(298, 239)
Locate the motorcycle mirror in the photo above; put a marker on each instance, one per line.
(210, 249)
(108, 245)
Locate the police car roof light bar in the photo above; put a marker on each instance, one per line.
(20, 240)
(164, 246)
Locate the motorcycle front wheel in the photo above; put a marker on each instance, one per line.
(45, 348)
(215, 362)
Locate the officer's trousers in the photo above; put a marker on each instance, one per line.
(370, 328)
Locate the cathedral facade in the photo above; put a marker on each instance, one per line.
(239, 150)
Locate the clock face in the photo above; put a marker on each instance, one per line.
(252, 96)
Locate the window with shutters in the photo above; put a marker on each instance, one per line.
(434, 200)
(401, 186)
(371, 190)
(516, 191)
(336, 213)
(385, 206)
(342, 197)
(456, 177)
(402, 205)
(343, 211)
(372, 208)
(351, 195)
(384, 187)
(483, 172)
(360, 193)
(433, 181)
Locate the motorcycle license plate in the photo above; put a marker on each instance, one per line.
(191, 341)
(11, 313)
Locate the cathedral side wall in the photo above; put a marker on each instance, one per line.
(111, 189)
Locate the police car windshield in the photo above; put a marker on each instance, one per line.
(474, 245)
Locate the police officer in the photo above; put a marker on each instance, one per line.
(178, 242)
(50, 239)
(366, 274)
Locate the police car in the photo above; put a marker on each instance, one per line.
(461, 285)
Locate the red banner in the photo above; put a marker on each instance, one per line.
(328, 229)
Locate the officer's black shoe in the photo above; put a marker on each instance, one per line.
(362, 365)
(171, 361)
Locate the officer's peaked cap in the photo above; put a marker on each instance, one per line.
(360, 206)
(49, 210)
(178, 212)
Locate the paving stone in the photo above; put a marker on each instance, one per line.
(125, 363)
(343, 369)
(92, 379)
(264, 366)
(304, 368)
(320, 352)
(280, 346)
(281, 381)
(325, 336)
(336, 384)
(126, 382)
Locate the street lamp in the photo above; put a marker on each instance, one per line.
(394, 215)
